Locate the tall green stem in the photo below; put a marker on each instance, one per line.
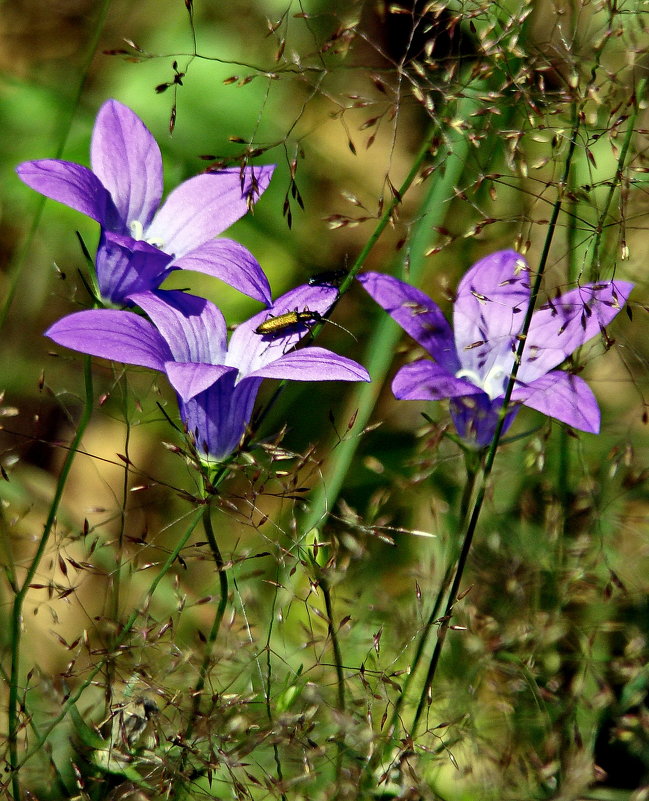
(491, 453)
(216, 623)
(204, 670)
(614, 185)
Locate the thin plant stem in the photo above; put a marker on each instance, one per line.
(493, 447)
(204, 669)
(269, 673)
(338, 662)
(617, 180)
(216, 623)
(467, 493)
(114, 600)
(19, 600)
(121, 639)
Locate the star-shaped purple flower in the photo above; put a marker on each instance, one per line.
(140, 243)
(473, 362)
(216, 383)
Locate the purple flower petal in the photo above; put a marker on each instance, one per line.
(218, 417)
(476, 418)
(560, 326)
(193, 327)
(563, 396)
(489, 311)
(426, 380)
(116, 335)
(189, 379)
(250, 351)
(125, 266)
(204, 206)
(232, 263)
(313, 364)
(417, 314)
(71, 184)
(126, 159)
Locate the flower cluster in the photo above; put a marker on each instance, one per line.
(473, 361)
(182, 335)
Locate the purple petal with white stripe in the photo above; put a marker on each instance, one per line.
(127, 160)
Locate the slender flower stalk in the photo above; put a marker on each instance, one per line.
(204, 669)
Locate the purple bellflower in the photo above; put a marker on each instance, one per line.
(473, 362)
(216, 382)
(140, 243)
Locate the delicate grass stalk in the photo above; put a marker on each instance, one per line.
(338, 662)
(15, 270)
(433, 618)
(493, 447)
(614, 185)
(204, 669)
(269, 712)
(216, 623)
(19, 600)
(121, 639)
(114, 601)
(386, 336)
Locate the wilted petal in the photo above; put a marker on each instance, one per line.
(126, 265)
(489, 311)
(189, 378)
(117, 335)
(218, 417)
(204, 206)
(250, 351)
(416, 313)
(563, 396)
(313, 364)
(476, 418)
(193, 327)
(73, 185)
(232, 263)
(126, 158)
(560, 326)
(426, 380)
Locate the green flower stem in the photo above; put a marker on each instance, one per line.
(19, 600)
(433, 618)
(214, 481)
(116, 583)
(120, 640)
(493, 447)
(338, 662)
(216, 623)
(614, 185)
(267, 693)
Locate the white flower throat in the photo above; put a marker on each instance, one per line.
(137, 232)
(493, 382)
